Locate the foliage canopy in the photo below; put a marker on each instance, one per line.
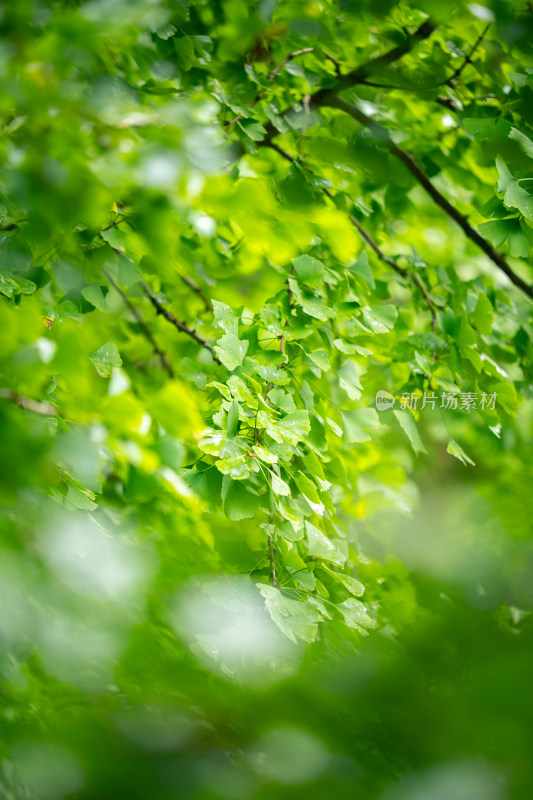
(225, 229)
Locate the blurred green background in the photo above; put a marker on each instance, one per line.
(138, 659)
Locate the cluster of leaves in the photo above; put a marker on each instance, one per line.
(224, 228)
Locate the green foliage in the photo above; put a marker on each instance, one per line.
(226, 230)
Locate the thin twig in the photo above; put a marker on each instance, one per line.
(271, 559)
(335, 63)
(382, 134)
(144, 327)
(329, 98)
(360, 74)
(467, 58)
(374, 65)
(271, 547)
(290, 57)
(390, 261)
(229, 124)
(197, 290)
(373, 244)
(45, 409)
(178, 324)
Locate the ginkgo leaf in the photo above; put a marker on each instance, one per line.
(456, 450)
(295, 618)
(106, 358)
(278, 485)
(231, 350)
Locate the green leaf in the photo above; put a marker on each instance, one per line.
(105, 359)
(380, 319)
(349, 380)
(81, 499)
(309, 270)
(12, 285)
(231, 351)
(408, 425)
(211, 442)
(320, 546)
(233, 419)
(234, 466)
(239, 502)
(483, 316)
(355, 615)
(206, 483)
(253, 129)
(354, 586)
(524, 141)
(456, 450)
(350, 349)
(514, 195)
(497, 231)
(466, 336)
(278, 485)
(94, 295)
(486, 128)
(294, 618)
(362, 268)
(506, 396)
(307, 488)
(357, 423)
(314, 466)
(225, 318)
(294, 427)
(265, 455)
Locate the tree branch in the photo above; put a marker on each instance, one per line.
(390, 261)
(45, 409)
(468, 57)
(144, 327)
(181, 326)
(405, 273)
(382, 134)
(329, 97)
(356, 75)
(294, 54)
(361, 73)
(374, 65)
(197, 290)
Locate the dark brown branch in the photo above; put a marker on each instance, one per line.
(144, 327)
(405, 273)
(197, 290)
(467, 58)
(390, 261)
(357, 75)
(446, 102)
(302, 52)
(334, 61)
(178, 324)
(329, 97)
(382, 134)
(362, 72)
(375, 65)
(448, 81)
(294, 54)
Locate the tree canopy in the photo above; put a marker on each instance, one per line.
(266, 399)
